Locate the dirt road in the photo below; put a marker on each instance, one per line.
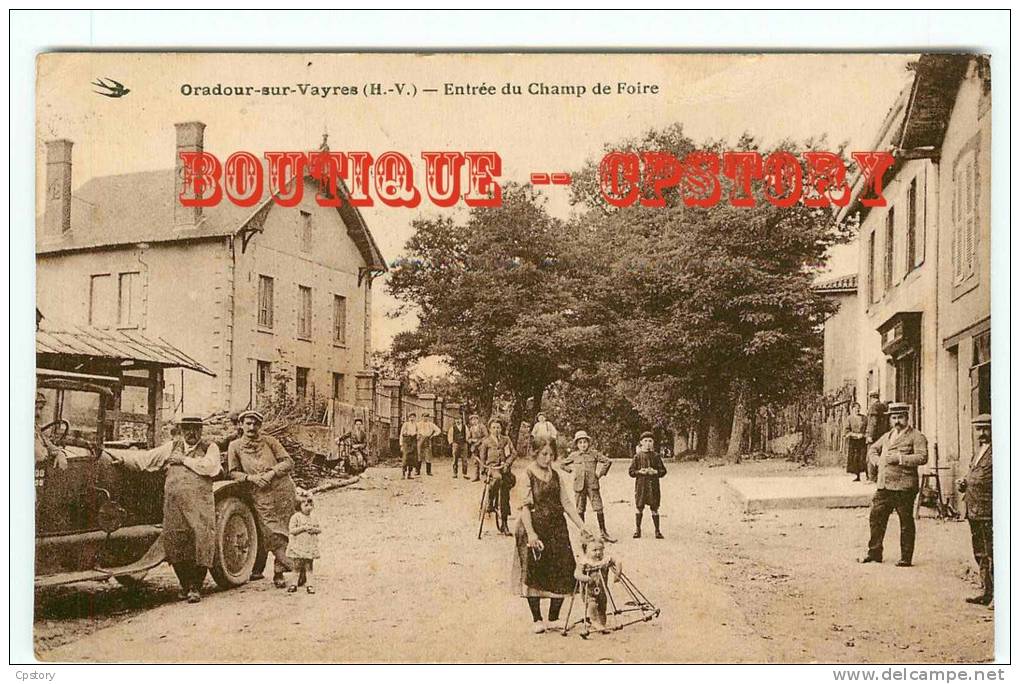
(403, 579)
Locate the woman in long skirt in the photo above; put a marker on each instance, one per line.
(544, 562)
(856, 452)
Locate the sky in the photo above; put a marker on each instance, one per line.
(715, 96)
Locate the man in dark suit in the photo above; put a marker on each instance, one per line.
(897, 454)
(977, 494)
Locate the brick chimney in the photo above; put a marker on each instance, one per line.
(58, 188)
(190, 138)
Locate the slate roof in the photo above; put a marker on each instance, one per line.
(131, 208)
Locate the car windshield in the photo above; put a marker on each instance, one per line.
(80, 408)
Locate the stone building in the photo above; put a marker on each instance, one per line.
(923, 280)
(252, 293)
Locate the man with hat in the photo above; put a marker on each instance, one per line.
(260, 460)
(475, 436)
(189, 509)
(409, 446)
(976, 488)
(588, 466)
(426, 431)
(897, 454)
(876, 424)
(543, 429)
(458, 440)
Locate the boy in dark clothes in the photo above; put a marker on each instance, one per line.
(646, 469)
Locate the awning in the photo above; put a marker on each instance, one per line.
(117, 345)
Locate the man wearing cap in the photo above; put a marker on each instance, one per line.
(409, 446)
(263, 462)
(498, 454)
(588, 466)
(976, 488)
(897, 454)
(426, 431)
(543, 430)
(457, 438)
(475, 436)
(876, 425)
(189, 509)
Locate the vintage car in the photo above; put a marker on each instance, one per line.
(97, 520)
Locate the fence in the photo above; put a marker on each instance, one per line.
(384, 405)
(817, 423)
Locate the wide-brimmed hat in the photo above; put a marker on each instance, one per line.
(581, 434)
(647, 434)
(251, 412)
(190, 420)
(983, 419)
(899, 407)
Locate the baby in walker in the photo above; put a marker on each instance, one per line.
(592, 573)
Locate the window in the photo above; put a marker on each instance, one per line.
(262, 376)
(911, 246)
(890, 223)
(339, 319)
(101, 299)
(304, 312)
(964, 217)
(338, 386)
(301, 382)
(872, 294)
(265, 302)
(129, 300)
(981, 375)
(306, 232)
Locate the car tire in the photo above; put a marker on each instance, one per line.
(237, 542)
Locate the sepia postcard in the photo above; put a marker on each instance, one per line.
(514, 357)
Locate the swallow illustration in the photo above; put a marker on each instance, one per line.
(116, 89)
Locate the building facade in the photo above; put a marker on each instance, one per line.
(257, 295)
(924, 258)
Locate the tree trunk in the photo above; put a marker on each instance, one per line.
(737, 430)
(516, 418)
(715, 443)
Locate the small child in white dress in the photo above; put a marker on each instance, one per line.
(303, 547)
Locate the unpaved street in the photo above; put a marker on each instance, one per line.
(403, 579)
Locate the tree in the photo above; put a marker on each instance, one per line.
(713, 308)
(492, 298)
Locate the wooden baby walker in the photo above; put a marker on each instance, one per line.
(634, 610)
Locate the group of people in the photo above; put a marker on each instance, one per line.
(560, 490)
(894, 456)
(289, 529)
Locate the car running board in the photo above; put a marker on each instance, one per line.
(153, 557)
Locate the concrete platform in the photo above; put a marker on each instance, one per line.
(757, 494)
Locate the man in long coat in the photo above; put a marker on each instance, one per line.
(976, 488)
(189, 510)
(897, 454)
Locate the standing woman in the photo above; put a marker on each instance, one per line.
(856, 449)
(262, 461)
(544, 561)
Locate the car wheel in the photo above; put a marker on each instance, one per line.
(237, 542)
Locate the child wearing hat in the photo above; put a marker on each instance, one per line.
(588, 467)
(646, 468)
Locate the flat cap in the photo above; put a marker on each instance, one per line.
(983, 419)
